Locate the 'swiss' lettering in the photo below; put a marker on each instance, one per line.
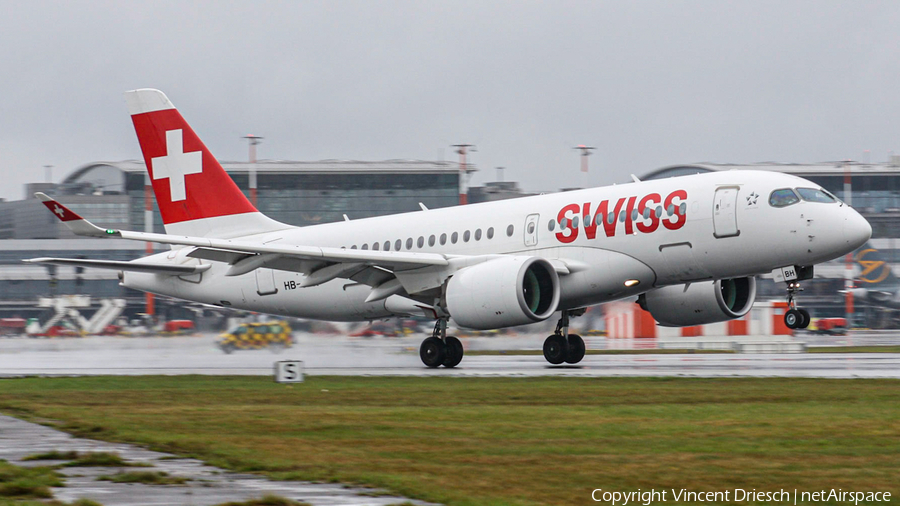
(644, 214)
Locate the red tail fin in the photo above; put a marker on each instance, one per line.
(192, 189)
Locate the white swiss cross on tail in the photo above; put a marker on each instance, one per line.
(176, 164)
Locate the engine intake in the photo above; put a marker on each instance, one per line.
(504, 292)
(700, 303)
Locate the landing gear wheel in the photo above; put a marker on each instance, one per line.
(793, 319)
(555, 349)
(805, 322)
(453, 352)
(432, 352)
(576, 349)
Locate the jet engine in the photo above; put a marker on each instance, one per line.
(701, 302)
(507, 291)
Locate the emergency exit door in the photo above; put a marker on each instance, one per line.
(265, 281)
(725, 212)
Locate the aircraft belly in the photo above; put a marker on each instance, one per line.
(604, 280)
(338, 300)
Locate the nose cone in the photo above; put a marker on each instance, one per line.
(856, 230)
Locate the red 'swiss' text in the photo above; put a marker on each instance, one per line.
(636, 215)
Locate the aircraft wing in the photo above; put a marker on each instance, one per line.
(396, 259)
(386, 271)
(134, 266)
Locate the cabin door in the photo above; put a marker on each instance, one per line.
(531, 226)
(725, 212)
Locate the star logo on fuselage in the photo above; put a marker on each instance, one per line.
(751, 199)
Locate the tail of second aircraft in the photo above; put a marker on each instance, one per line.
(196, 197)
(875, 271)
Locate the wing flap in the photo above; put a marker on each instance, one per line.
(135, 266)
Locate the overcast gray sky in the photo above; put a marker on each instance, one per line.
(649, 83)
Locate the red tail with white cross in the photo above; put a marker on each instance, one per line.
(191, 187)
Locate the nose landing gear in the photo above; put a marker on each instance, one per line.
(562, 346)
(795, 318)
(441, 349)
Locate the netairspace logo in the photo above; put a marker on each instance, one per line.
(648, 497)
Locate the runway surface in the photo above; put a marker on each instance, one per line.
(338, 355)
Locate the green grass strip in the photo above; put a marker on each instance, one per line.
(499, 441)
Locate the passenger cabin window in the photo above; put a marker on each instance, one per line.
(375, 246)
(783, 198)
(509, 230)
(431, 240)
(387, 245)
(443, 239)
(409, 243)
(397, 244)
(478, 234)
(490, 233)
(551, 225)
(815, 195)
(454, 237)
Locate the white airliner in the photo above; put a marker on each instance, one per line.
(688, 246)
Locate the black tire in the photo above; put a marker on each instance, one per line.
(792, 319)
(806, 318)
(555, 349)
(432, 352)
(576, 349)
(453, 352)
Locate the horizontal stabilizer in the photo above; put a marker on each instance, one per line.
(175, 270)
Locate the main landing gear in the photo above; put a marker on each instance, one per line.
(562, 346)
(441, 349)
(795, 318)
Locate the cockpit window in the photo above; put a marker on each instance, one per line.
(783, 197)
(815, 195)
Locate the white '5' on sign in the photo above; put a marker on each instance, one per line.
(289, 371)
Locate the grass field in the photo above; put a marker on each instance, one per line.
(500, 441)
(853, 349)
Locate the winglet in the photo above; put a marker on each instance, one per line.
(72, 220)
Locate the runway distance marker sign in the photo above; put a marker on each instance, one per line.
(289, 371)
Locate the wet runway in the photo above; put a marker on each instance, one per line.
(337, 355)
(205, 485)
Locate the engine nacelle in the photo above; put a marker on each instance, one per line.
(508, 291)
(702, 302)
